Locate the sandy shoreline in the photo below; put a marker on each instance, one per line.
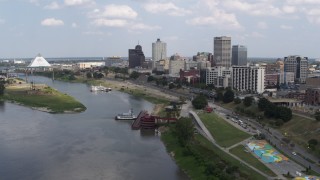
(118, 84)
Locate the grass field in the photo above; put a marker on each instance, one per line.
(44, 97)
(208, 153)
(251, 159)
(224, 133)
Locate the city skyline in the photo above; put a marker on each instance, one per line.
(88, 28)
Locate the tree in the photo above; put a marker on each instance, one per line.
(72, 77)
(200, 102)
(97, 75)
(237, 100)
(284, 113)
(317, 115)
(150, 78)
(263, 103)
(248, 101)
(228, 96)
(171, 86)
(89, 75)
(184, 130)
(2, 88)
(134, 75)
(312, 143)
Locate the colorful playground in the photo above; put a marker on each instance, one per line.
(307, 178)
(266, 152)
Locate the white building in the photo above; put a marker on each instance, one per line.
(248, 78)
(89, 65)
(159, 50)
(218, 76)
(175, 66)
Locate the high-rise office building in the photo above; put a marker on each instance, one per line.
(222, 51)
(136, 57)
(239, 55)
(298, 65)
(159, 50)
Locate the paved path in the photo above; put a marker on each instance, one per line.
(275, 138)
(208, 136)
(202, 126)
(244, 142)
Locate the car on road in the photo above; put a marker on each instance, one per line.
(294, 153)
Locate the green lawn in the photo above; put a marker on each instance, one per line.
(251, 159)
(224, 133)
(206, 152)
(47, 97)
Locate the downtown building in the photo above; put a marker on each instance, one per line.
(136, 57)
(239, 55)
(176, 63)
(159, 50)
(298, 66)
(222, 51)
(218, 76)
(248, 78)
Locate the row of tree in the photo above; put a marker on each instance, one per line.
(214, 167)
(273, 111)
(225, 95)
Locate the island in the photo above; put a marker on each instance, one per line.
(40, 97)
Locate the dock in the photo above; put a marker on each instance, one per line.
(137, 123)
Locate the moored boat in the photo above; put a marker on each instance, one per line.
(99, 88)
(126, 116)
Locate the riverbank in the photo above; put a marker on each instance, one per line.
(42, 97)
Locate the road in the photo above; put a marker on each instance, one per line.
(275, 138)
(272, 135)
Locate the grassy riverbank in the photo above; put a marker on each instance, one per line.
(205, 161)
(43, 98)
(224, 133)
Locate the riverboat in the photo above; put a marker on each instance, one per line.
(99, 88)
(126, 116)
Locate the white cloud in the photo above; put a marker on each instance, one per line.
(141, 26)
(53, 5)
(78, 2)
(260, 8)
(97, 33)
(169, 8)
(74, 25)
(262, 25)
(110, 22)
(52, 22)
(303, 2)
(2, 21)
(256, 35)
(313, 15)
(286, 27)
(219, 19)
(289, 9)
(35, 2)
(118, 11)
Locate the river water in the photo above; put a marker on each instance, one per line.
(84, 146)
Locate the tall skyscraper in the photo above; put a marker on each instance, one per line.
(298, 65)
(222, 51)
(136, 57)
(239, 55)
(159, 50)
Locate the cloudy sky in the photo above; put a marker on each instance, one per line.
(82, 28)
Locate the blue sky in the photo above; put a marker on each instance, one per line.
(69, 28)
